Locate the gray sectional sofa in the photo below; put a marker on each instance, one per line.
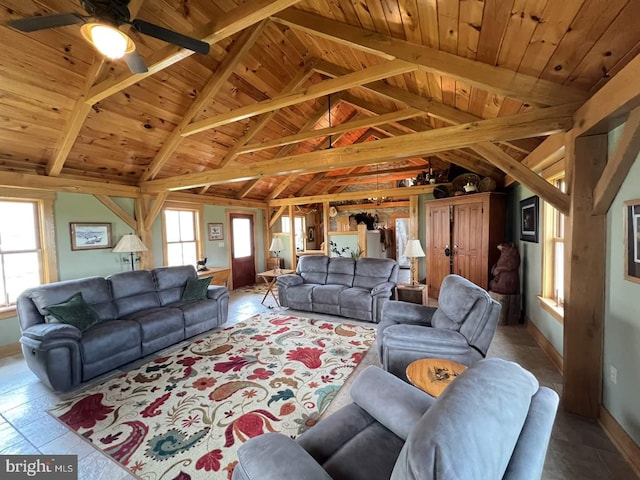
(138, 313)
(340, 286)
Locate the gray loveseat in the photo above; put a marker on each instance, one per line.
(493, 422)
(340, 286)
(139, 312)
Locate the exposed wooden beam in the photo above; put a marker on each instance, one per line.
(526, 177)
(208, 92)
(214, 200)
(155, 210)
(117, 209)
(377, 72)
(547, 153)
(404, 192)
(244, 191)
(431, 107)
(543, 121)
(282, 186)
(222, 27)
(372, 206)
(75, 121)
(618, 165)
(276, 216)
(64, 184)
(477, 74)
(610, 105)
(264, 119)
(342, 128)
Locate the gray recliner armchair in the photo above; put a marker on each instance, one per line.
(493, 422)
(460, 329)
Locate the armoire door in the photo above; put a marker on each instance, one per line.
(467, 242)
(439, 248)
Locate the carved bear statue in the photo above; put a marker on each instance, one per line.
(505, 271)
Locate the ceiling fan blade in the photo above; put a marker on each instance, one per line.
(171, 37)
(33, 24)
(135, 62)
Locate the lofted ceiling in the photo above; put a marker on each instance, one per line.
(411, 84)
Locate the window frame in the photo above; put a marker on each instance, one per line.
(551, 216)
(303, 233)
(46, 232)
(198, 227)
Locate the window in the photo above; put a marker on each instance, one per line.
(299, 226)
(553, 275)
(26, 230)
(181, 228)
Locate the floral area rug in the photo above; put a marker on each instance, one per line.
(183, 415)
(256, 288)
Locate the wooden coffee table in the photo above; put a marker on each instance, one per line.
(432, 375)
(270, 277)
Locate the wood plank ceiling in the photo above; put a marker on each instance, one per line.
(399, 75)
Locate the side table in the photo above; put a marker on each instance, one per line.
(412, 293)
(270, 277)
(432, 375)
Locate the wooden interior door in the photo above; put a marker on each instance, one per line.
(243, 261)
(467, 242)
(439, 243)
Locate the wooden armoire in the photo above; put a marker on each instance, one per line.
(463, 234)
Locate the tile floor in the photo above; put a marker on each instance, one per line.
(579, 449)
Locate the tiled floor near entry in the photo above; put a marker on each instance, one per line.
(579, 448)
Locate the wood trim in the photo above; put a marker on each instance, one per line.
(623, 442)
(547, 304)
(544, 344)
(474, 73)
(28, 181)
(10, 349)
(155, 210)
(8, 312)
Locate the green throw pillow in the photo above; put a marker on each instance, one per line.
(196, 289)
(75, 311)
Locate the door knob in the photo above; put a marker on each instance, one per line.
(447, 251)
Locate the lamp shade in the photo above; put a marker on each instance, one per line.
(129, 243)
(276, 245)
(413, 249)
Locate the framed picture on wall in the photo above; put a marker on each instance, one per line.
(529, 219)
(215, 231)
(632, 240)
(90, 236)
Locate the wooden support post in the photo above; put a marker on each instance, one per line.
(141, 211)
(584, 279)
(292, 224)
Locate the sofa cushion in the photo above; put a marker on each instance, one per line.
(313, 268)
(74, 311)
(170, 282)
(372, 271)
(133, 291)
(301, 295)
(327, 294)
(195, 289)
(356, 303)
(478, 416)
(197, 312)
(95, 291)
(107, 339)
(341, 271)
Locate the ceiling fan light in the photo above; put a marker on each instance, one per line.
(108, 40)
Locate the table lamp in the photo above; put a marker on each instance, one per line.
(412, 251)
(276, 246)
(129, 244)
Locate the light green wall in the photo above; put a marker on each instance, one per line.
(531, 272)
(622, 314)
(73, 207)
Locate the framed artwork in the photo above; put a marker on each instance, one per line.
(632, 240)
(529, 208)
(215, 231)
(311, 234)
(90, 236)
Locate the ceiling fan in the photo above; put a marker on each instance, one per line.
(101, 29)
